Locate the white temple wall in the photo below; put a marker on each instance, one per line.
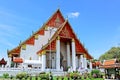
(28, 53)
(32, 49)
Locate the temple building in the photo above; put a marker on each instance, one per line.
(54, 46)
(112, 68)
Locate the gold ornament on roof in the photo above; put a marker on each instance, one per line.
(84, 55)
(58, 38)
(36, 36)
(73, 40)
(43, 52)
(24, 47)
(10, 55)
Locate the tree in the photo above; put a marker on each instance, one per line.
(114, 52)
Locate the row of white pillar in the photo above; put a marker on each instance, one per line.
(82, 59)
(58, 55)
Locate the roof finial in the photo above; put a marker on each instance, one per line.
(67, 17)
(43, 23)
(7, 50)
(58, 7)
(32, 32)
(20, 42)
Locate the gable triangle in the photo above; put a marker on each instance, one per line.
(56, 19)
(67, 31)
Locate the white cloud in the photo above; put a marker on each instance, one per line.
(73, 15)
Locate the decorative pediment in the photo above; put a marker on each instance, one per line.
(67, 32)
(56, 20)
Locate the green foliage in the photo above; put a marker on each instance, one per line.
(74, 75)
(5, 75)
(114, 52)
(21, 75)
(44, 75)
(95, 73)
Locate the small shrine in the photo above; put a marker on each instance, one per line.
(112, 69)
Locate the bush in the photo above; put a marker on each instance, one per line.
(5, 75)
(95, 73)
(85, 75)
(44, 75)
(74, 75)
(21, 75)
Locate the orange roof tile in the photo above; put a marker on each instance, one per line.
(41, 32)
(109, 62)
(30, 40)
(18, 60)
(96, 63)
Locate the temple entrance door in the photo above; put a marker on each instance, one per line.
(61, 59)
(53, 60)
(63, 63)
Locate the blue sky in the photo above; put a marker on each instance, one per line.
(96, 22)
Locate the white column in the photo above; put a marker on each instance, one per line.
(68, 54)
(9, 63)
(77, 61)
(40, 58)
(73, 55)
(82, 61)
(43, 61)
(90, 65)
(58, 53)
(85, 62)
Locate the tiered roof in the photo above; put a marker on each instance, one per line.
(112, 63)
(3, 62)
(64, 31)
